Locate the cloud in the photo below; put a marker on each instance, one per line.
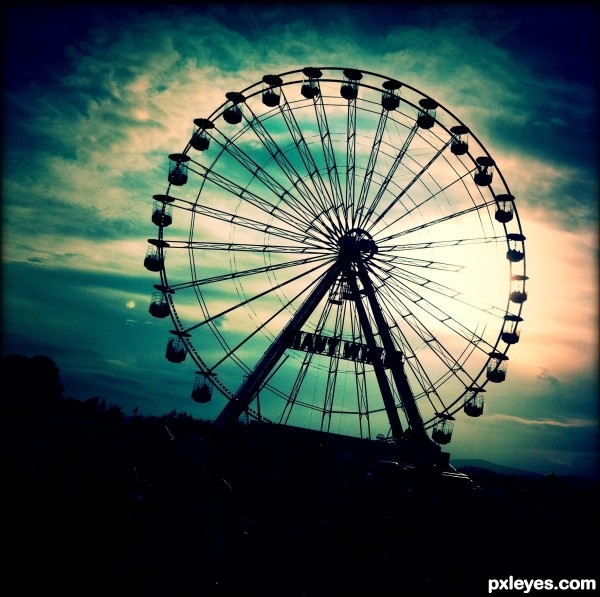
(567, 424)
(545, 376)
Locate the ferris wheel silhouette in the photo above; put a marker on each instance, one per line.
(338, 251)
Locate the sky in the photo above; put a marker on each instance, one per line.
(95, 98)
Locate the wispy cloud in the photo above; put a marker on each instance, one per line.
(545, 376)
(566, 424)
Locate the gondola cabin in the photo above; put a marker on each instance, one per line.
(271, 95)
(162, 214)
(154, 260)
(515, 251)
(310, 87)
(349, 88)
(485, 171)
(233, 114)
(459, 144)
(178, 169)
(202, 391)
(504, 208)
(159, 307)
(510, 333)
(426, 117)
(518, 294)
(442, 431)
(473, 402)
(200, 140)
(176, 348)
(496, 369)
(390, 99)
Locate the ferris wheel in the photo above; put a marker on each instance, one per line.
(338, 251)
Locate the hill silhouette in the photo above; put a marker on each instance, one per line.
(477, 463)
(172, 505)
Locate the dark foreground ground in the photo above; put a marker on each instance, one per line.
(168, 506)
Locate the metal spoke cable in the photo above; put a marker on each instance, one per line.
(365, 215)
(290, 172)
(430, 197)
(232, 147)
(321, 191)
(442, 317)
(405, 190)
(296, 218)
(392, 301)
(438, 244)
(370, 170)
(350, 163)
(211, 318)
(246, 248)
(454, 367)
(251, 224)
(248, 272)
(329, 155)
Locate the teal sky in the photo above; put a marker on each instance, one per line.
(96, 98)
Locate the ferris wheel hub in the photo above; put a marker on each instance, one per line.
(357, 245)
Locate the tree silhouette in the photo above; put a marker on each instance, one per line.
(34, 383)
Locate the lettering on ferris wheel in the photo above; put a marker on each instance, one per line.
(335, 347)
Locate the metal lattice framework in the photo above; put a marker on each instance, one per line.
(338, 251)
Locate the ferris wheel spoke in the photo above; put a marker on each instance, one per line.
(398, 197)
(386, 247)
(310, 201)
(389, 176)
(310, 351)
(403, 277)
(329, 155)
(410, 296)
(362, 399)
(321, 193)
(405, 281)
(252, 224)
(350, 162)
(255, 297)
(245, 248)
(403, 266)
(298, 219)
(388, 263)
(440, 244)
(251, 272)
(368, 177)
(360, 377)
(334, 362)
(332, 370)
(452, 367)
(476, 207)
(260, 328)
(292, 400)
(230, 147)
(330, 394)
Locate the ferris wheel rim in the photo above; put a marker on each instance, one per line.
(255, 90)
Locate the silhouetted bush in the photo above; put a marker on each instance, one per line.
(34, 382)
